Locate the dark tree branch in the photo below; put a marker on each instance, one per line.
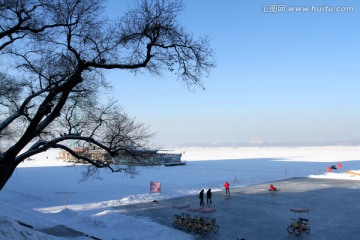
(58, 53)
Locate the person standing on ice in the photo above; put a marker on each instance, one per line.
(201, 196)
(227, 187)
(208, 196)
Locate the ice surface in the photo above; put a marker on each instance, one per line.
(41, 188)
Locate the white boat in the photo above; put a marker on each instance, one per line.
(160, 157)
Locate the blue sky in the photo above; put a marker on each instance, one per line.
(282, 77)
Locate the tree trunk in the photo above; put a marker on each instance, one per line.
(7, 168)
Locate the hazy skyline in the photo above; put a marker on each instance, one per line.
(281, 76)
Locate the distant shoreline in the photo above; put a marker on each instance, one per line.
(266, 144)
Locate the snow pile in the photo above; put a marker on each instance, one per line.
(12, 230)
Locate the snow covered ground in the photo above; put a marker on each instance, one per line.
(49, 195)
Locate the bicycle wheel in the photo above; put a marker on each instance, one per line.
(189, 227)
(290, 229)
(307, 230)
(297, 231)
(215, 228)
(180, 225)
(175, 224)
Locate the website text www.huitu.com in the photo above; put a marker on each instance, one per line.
(281, 8)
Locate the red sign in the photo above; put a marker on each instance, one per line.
(155, 187)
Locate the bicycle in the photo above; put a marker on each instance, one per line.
(178, 221)
(197, 224)
(302, 227)
(299, 225)
(212, 225)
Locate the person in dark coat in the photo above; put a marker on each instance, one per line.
(208, 196)
(201, 196)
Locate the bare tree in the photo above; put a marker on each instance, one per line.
(55, 54)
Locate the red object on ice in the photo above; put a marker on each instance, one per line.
(181, 206)
(339, 165)
(193, 209)
(272, 188)
(207, 210)
(299, 210)
(329, 169)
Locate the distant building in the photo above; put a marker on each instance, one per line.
(134, 157)
(154, 157)
(257, 141)
(93, 153)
